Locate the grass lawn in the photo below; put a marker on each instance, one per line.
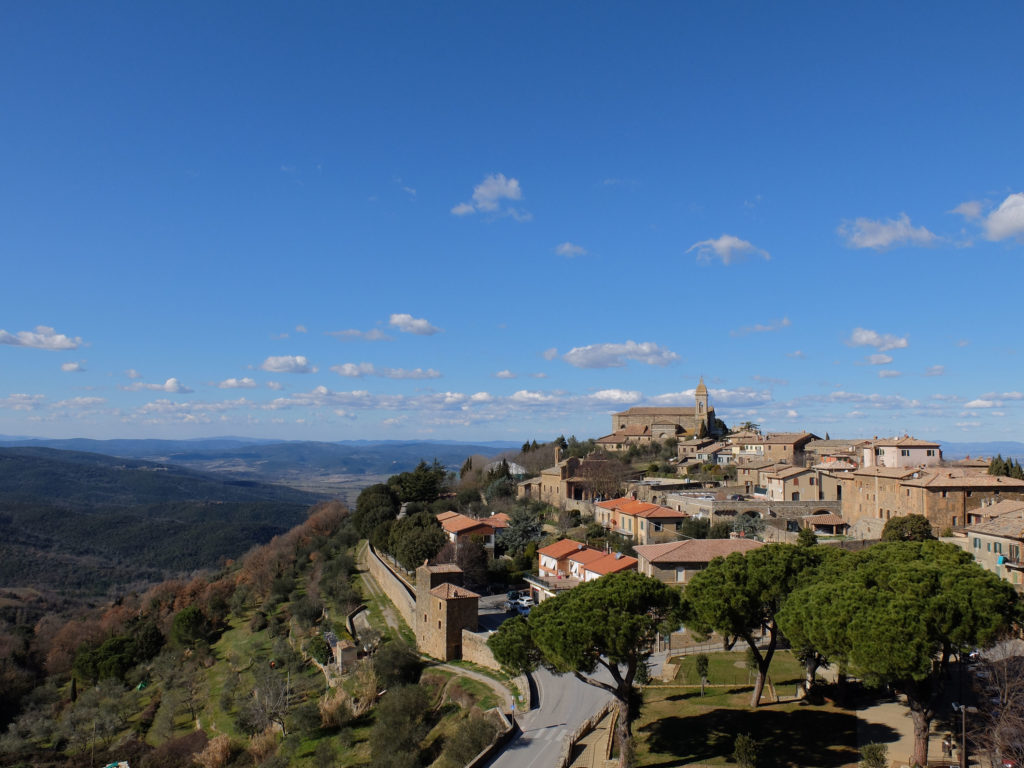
(731, 669)
(678, 727)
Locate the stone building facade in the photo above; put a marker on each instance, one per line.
(444, 608)
(662, 423)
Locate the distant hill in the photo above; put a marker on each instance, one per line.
(960, 450)
(339, 469)
(276, 457)
(82, 522)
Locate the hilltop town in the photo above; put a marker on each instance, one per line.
(571, 603)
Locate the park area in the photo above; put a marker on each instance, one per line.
(680, 727)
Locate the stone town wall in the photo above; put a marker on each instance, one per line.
(397, 591)
(476, 650)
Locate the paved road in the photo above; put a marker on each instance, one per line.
(565, 703)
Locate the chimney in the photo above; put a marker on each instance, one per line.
(558, 454)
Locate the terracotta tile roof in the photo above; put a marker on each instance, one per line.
(785, 474)
(826, 519)
(498, 520)
(755, 464)
(442, 516)
(560, 549)
(1009, 523)
(610, 563)
(444, 568)
(585, 556)
(695, 550)
(904, 442)
(448, 591)
(894, 472)
(462, 523)
(960, 477)
(1006, 506)
(634, 508)
(655, 411)
(836, 465)
(788, 438)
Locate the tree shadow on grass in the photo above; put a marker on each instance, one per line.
(797, 738)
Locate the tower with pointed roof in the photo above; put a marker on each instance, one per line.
(700, 412)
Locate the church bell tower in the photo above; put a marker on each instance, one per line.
(701, 411)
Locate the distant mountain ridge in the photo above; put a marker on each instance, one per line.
(342, 457)
(83, 522)
(1007, 448)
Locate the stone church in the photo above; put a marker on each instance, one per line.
(643, 425)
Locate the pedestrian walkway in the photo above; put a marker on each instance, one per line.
(590, 751)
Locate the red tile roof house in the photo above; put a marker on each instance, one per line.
(676, 562)
(459, 528)
(639, 520)
(567, 563)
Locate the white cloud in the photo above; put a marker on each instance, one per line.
(506, 374)
(879, 359)
(970, 210)
(526, 397)
(131, 373)
(275, 385)
(769, 380)
(416, 325)
(868, 233)
(22, 402)
(728, 248)
(43, 337)
(947, 398)
(245, 383)
(935, 370)
(889, 374)
(358, 370)
(1005, 395)
(301, 329)
(550, 354)
(1007, 220)
(487, 197)
(80, 402)
(287, 364)
(172, 385)
(862, 337)
(884, 402)
(481, 397)
(791, 414)
(374, 334)
(965, 424)
(570, 250)
(772, 325)
(624, 396)
(796, 355)
(75, 367)
(726, 397)
(963, 343)
(616, 355)
(539, 375)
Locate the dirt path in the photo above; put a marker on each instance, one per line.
(373, 590)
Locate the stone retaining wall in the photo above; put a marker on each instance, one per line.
(476, 650)
(398, 592)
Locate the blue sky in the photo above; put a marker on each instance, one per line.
(505, 221)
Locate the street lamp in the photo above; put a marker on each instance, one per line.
(963, 709)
